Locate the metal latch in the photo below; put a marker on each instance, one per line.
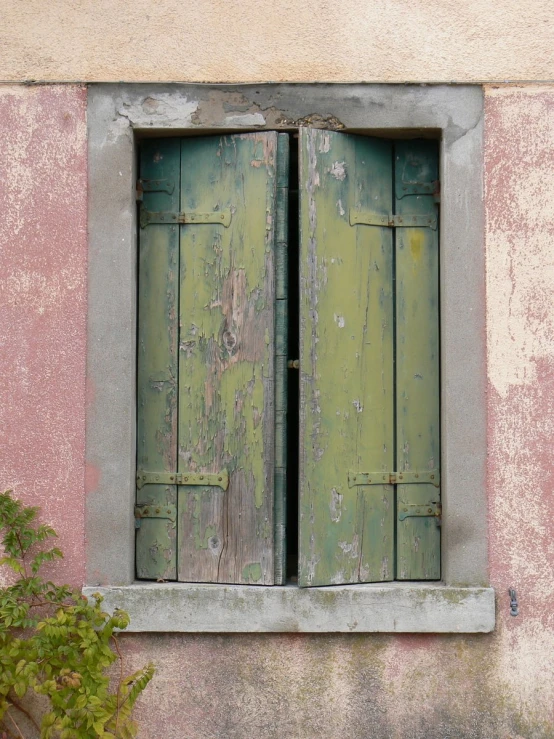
(155, 510)
(207, 479)
(167, 217)
(409, 510)
(367, 218)
(427, 477)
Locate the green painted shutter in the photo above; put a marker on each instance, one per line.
(346, 359)
(417, 362)
(369, 360)
(158, 285)
(225, 311)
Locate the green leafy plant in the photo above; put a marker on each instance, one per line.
(56, 643)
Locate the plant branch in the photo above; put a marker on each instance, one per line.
(23, 553)
(118, 698)
(14, 723)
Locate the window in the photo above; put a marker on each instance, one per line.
(213, 482)
(120, 118)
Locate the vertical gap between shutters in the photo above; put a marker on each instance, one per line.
(138, 164)
(394, 358)
(293, 438)
(282, 318)
(178, 303)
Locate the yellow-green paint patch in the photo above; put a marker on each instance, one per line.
(252, 572)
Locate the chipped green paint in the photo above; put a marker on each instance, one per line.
(417, 361)
(252, 572)
(157, 359)
(346, 360)
(226, 357)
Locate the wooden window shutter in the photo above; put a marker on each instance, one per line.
(346, 360)
(157, 362)
(369, 392)
(206, 360)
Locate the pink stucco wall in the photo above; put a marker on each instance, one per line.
(43, 257)
(489, 686)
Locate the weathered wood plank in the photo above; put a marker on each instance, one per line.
(158, 285)
(346, 360)
(226, 359)
(281, 355)
(417, 359)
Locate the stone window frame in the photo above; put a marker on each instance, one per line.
(118, 115)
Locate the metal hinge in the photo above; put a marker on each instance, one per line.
(407, 510)
(367, 218)
(413, 187)
(207, 479)
(166, 511)
(167, 217)
(427, 477)
(154, 186)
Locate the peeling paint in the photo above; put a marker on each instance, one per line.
(165, 110)
(338, 171)
(247, 119)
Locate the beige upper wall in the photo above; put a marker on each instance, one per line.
(279, 40)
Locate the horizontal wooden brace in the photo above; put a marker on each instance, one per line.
(167, 217)
(207, 479)
(367, 218)
(428, 477)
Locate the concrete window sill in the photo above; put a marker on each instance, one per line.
(392, 607)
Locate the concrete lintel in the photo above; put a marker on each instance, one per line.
(400, 608)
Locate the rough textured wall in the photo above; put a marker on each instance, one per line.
(519, 187)
(498, 686)
(43, 243)
(253, 41)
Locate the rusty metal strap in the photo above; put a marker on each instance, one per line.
(367, 218)
(427, 477)
(166, 511)
(223, 217)
(207, 479)
(428, 510)
(144, 185)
